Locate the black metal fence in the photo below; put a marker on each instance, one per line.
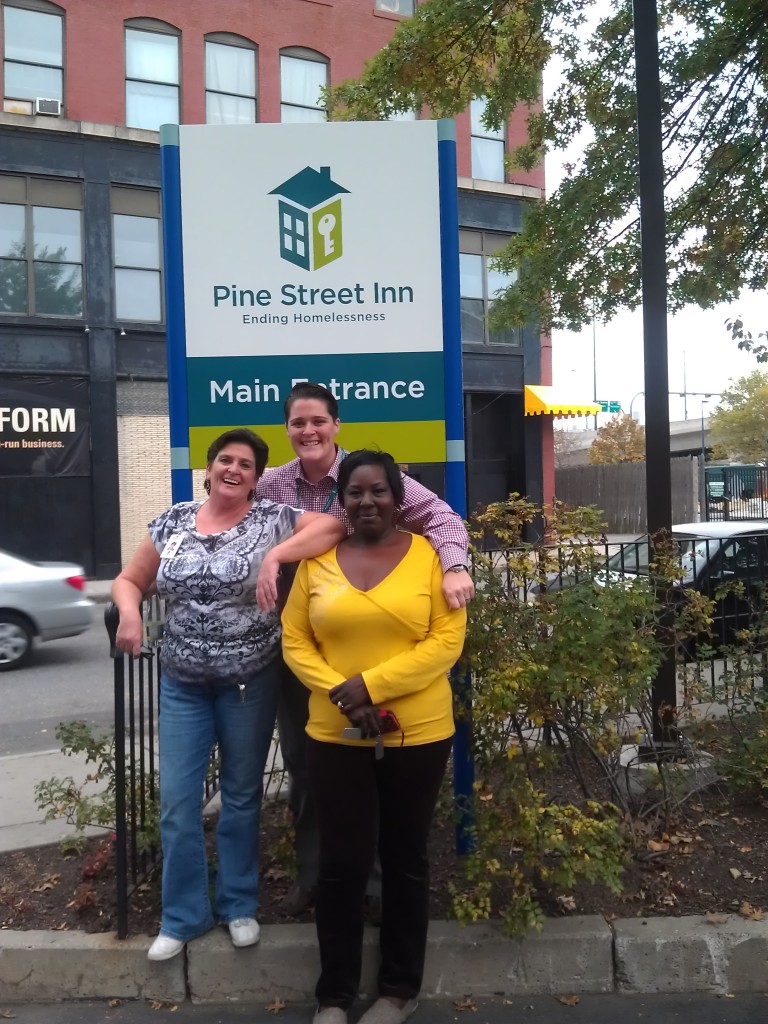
(736, 492)
(731, 571)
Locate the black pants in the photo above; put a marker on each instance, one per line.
(358, 798)
(292, 717)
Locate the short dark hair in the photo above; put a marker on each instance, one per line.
(364, 457)
(242, 435)
(307, 389)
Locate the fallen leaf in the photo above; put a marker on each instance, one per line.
(685, 849)
(568, 1000)
(745, 849)
(277, 1006)
(567, 902)
(7, 1014)
(465, 1004)
(734, 872)
(751, 913)
(657, 847)
(712, 918)
(115, 1002)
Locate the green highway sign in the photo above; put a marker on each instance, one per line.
(612, 406)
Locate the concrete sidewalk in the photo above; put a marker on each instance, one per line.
(22, 823)
(570, 956)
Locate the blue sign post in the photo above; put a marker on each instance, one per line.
(455, 461)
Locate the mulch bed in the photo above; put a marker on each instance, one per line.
(713, 860)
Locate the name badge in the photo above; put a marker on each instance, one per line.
(172, 546)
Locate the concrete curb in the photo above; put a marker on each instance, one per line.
(570, 955)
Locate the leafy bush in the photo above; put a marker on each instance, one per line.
(91, 802)
(561, 675)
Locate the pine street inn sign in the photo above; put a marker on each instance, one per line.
(311, 252)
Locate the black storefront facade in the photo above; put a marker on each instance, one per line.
(70, 509)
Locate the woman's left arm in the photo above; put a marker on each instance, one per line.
(314, 534)
(415, 668)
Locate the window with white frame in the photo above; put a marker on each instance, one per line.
(41, 247)
(137, 255)
(151, 76)
(303, 74)
(33, 52)
(396, 6)
(479, 285)
(230, 81)
(487, 145)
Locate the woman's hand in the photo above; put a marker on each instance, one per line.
(130, 633)
(367, 721)
(350, 695)
(266, 584)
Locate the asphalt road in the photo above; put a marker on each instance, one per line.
(65, 679)
(601, 1009)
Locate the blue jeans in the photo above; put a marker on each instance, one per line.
(193, 717)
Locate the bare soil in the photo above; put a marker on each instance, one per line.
(714, 859)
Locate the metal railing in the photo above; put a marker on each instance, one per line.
(736, 492)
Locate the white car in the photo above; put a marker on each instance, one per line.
(39, 600)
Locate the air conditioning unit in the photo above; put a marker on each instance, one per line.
(52, 108)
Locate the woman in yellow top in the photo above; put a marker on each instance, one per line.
(367, 630)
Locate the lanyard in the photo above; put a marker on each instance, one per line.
(334, 489)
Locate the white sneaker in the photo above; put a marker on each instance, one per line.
(164, 947)
(244, 931)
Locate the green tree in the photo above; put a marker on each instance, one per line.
(578, 254)
(739, 425)
(622, 439)
(57, 285)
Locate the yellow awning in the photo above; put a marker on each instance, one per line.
(542, 399)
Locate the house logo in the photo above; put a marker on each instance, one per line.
(310, 218)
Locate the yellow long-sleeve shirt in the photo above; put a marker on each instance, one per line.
(400, 635)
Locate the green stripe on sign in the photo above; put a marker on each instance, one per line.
(410, 441)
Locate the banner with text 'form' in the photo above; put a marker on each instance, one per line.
(312, 252)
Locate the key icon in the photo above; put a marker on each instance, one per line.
(325, 226)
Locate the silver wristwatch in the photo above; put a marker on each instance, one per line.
(458, 568)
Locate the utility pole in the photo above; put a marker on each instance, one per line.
(653, 267)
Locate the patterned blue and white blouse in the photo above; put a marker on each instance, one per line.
(214, 631)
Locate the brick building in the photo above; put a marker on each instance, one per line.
(86, 85)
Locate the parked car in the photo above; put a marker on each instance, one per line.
(39, 600)
(714, 554)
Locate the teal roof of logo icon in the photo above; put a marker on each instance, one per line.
(309, 188)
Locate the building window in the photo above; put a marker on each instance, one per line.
(303, 74)
(151, 78)
(137, 255)
(41, 247)
(34, 56)
(396, 6)
(479, 283)
(230, 82)
(487, 146)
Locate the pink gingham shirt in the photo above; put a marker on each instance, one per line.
(422, 511)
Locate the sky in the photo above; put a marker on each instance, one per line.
(702, 356)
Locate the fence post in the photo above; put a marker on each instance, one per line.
(111, 621)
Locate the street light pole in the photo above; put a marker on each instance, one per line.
(703, 469)
(632, 401)
(594, 367)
